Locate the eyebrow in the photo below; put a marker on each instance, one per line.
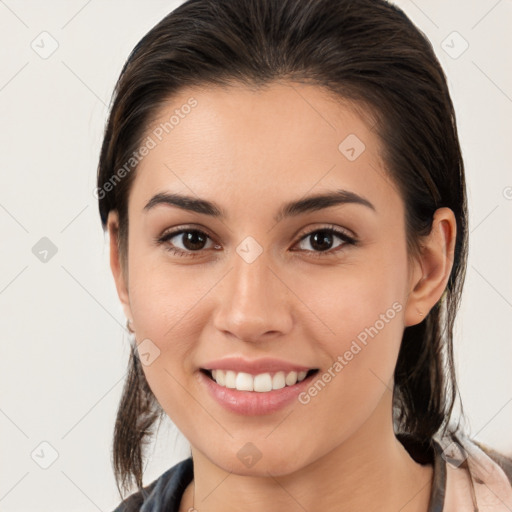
(290, 209)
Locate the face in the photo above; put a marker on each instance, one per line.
(311, 297)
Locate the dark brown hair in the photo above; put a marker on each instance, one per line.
(365, 51)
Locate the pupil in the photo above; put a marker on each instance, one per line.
(193, 240)
(322, 240)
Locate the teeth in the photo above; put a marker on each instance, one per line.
(220, 377)
(244, 382)
(230, 379)
(291, 378)
(278, 380)
(261, 383)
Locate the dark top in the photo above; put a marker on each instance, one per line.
(164, 494)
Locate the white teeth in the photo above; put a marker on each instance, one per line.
(244, 382)
(291, 378)
(230, 380)
(278, 380)
(220, 377)
(261, 383)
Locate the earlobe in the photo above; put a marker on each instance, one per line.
(432, 269)
(116, 264)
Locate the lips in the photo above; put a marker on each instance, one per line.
(253, 403)
(255, 366)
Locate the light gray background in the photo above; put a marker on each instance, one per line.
(64, 351)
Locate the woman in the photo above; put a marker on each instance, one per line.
(284, 192)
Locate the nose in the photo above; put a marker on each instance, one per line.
(253, 303)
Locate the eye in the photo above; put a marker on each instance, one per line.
(192, 241)
(321, 240)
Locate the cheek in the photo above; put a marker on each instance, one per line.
(358, 323)
(342, 302)
(363, 354)
(165, 328)
(163, 296)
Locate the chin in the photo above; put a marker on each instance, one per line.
(251, 462)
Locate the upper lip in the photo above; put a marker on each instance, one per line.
(255, 366)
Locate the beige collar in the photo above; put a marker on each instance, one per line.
(474, 481)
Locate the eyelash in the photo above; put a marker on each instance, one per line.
(348, 240)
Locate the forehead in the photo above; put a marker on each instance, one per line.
(258, 144)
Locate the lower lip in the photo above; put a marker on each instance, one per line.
(254, 403)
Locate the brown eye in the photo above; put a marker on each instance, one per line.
(191, 240)
(323, 240)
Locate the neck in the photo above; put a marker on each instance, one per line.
(371, 470)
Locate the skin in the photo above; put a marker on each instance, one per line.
(249, 152)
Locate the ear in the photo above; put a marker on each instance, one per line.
(116, 266)
(430, 272)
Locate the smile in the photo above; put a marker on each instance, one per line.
(260, 383)
(254, 386)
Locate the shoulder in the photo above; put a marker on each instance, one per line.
(165, 491)
(477, 475)
(135, 501)
(502, 459)
(483, 454)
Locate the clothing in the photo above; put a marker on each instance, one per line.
(468, 477)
